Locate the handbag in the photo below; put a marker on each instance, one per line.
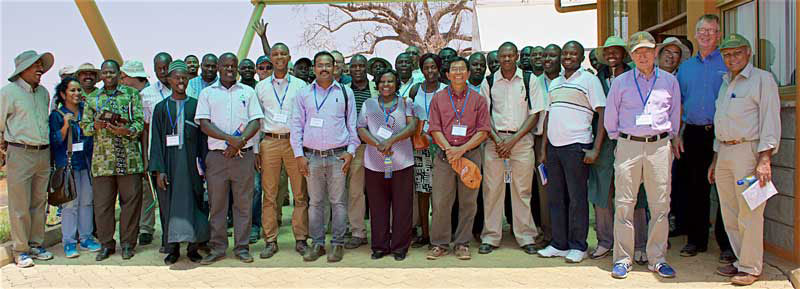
(61, 185)
(419, 139)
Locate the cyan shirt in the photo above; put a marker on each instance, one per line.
(700, 80)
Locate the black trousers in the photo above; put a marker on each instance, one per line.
(567, 196)
(695, 217)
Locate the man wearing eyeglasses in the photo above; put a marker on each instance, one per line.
(700, 78)
(264, 67)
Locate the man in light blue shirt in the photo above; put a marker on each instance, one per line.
(207, 77)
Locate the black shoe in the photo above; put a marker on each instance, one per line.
(162, 250)
(145, 238)
(244, 256)
(336, 253)
(127, 253)
(355, 242)
(399, 256)
(171, 259)
(689, 250)
(727, 257)
(211, 258)
(104, 254)
(314, 253)
(269, 250)
(485, 248)
(530, 249)
(420, 241)
(194, 256)
(377, 255)
(300, 246)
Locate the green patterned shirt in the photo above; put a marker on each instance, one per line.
(115, 155)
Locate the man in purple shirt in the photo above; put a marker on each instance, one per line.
(643, 115)
(324, 140)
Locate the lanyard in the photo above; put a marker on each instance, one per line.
(387, 113)
(97, 99)
(286, 90)
(427, 104)
(644, 100)
(160, 90)
(463, 106)
(410, 84)
(174, 123)
(319, 105)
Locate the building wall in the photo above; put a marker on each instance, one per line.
(779, 214)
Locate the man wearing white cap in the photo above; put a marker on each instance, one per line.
(24, 135)
(671, 53)
(67, 71)
(133, 75)
(643, 114)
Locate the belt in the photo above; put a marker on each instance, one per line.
(644, 139)
(325, 153)
(29, 147)
(247, 149)
(277, 135)
(708, 127)
(507, 131)
(735, 142)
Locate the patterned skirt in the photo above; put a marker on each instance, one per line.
(423, 169)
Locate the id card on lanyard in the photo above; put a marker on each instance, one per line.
(459, 129)
(315, 121)
(645, 119)
(173, 139)
(385, 131)
(281, 117)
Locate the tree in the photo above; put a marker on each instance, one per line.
(429, 26)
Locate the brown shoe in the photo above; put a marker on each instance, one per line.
(727, 270)
(462, 252)
(437, 252)
(744, 279)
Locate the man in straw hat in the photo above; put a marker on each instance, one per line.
(24, 136)
(671, 53)
(113, 116)
(459, 123)
(747, 128)
(88, 76)
(643, 115)
(700, 78)
(601, 173)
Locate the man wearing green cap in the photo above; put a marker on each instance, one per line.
(177, 145)
(747, 130)
(601, 174)
(113, 116)
(151, 95)
(643, 115)
(24, 138)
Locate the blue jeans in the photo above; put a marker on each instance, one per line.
(77, 217)
(326, 180)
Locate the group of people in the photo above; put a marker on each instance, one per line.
(546, 136)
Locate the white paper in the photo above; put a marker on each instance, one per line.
(384, 133)
(459, 130)
(173, 140)
(77, 147)
(425, 127)
(316, 122)
(756, 195)
(280, 117)
(644, 119)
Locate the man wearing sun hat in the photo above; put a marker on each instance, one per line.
(601, 173)
(747, 129)
(132, 74)
(24, 137)
(643, 115)
(671, 52)
(88, 76)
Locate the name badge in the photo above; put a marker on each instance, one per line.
(384, 133)
(459, 130)
(280, 117)
(644, 119)
(173, 140)
(77, 147)
(425, 127)
(316, 122)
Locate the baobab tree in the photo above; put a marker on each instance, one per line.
(429, 26)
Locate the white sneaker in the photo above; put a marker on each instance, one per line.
(551, 252)
(575, 256)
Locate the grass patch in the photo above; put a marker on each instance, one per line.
(5, 227)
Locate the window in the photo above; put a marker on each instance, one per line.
(777, 41)
(619, 13)
(740, 19)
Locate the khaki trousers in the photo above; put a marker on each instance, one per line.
(636, 163)
(446, 185)
(28, 173)
(356, 205)
(544, 207)
(522, 161)
(106, 189)
(274, 152)
(745, 227)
